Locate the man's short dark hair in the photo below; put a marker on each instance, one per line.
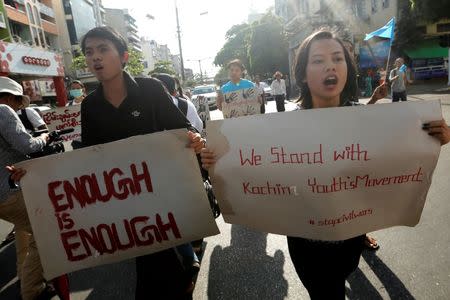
(237, 63)
(106, 33)
(167, 80)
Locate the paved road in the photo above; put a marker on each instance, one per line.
(242, 264)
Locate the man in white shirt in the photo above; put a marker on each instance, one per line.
(279, 91)
(31, 119)
(189, 111)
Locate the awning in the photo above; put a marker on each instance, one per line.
(427, 49)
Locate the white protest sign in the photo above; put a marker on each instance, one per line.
(243, 102)
(115, 201)
(328, 174)
(64, 118)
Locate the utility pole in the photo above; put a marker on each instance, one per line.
(179, 43)
(200, 67)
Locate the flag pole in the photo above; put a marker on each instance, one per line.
(387, 64)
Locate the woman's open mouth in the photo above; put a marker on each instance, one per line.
(330, 81)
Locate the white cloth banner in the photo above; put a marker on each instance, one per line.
(327, 174)
(110, 202)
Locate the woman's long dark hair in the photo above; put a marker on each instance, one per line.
(350, 91)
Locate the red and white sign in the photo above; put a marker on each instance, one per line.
(112, 202)
(311, 174)
(22, 59)
(64, 118)
(29, 60)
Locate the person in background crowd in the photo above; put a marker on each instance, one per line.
(278, 87)
(260, 89)
(368, 85)
(326, 75)
(180, 92)
(77, 93)
(185, 106)
(236, 84)
(122, 107)
(188, 94)
(15, 144)
(32, 121)
(398, 82)
(404, 68)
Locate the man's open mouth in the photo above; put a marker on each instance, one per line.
(98, 67)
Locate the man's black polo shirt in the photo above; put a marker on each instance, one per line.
(146, 109)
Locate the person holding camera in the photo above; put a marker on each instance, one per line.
(15, 144)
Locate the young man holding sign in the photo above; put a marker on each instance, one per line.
(238, 97)
(122, 107)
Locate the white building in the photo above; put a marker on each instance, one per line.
(125, 24)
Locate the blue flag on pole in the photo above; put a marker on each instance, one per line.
(387, 31)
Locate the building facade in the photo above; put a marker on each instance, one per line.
(356, 18)
(75, 18)
(153, 52)
(125, 24)
(30, 49)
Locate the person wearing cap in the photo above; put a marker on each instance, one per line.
(15, 144)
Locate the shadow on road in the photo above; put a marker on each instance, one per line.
(362, 288)
(8, 273)
(244, 270)
(114, 281)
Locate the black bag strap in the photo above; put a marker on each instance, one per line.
(25, 121)
(182, 105)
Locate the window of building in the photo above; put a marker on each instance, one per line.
(303, 6)
(30, 14)
(385, 3)
(37, 32)
(374, 6)
(359, 8)
(444, 27)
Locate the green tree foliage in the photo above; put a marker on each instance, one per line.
(411, 14)
(79, 63)
(134, 65)
(268, 47)
(236, 45)
(262, 47)
(194, 81)
(431, 10)
(163, 67)
(221, 77)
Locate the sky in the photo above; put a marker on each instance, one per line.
(203, 24)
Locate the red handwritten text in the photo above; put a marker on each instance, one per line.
(105, 238)
(55, 116)
(268, 189)
(86, 189)
(344, 218)
(352, 152)
(339, 184)
(281, 157)
(254, 159)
